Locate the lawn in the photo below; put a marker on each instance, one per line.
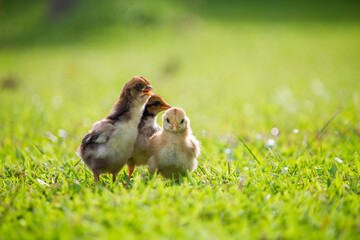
(272, 92)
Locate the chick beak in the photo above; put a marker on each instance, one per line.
(175, 125)
(165, 107)
(147, 90)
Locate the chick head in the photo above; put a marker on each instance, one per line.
(175, 120)
(139, 88)
(156, 104)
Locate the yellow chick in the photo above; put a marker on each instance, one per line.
(174, 149)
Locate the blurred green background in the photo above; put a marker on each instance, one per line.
(238, 68)
(223, 62)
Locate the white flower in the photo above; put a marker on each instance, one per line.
(62, 133)
(42, 182)
(274, 131)
(270, 143)
(338, 160)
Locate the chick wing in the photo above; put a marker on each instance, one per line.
(100, 132)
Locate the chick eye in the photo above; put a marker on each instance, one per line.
(138, 87)
(182, 121)
(157, 103)
(168, 121)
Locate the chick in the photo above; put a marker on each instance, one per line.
(147, 127)
(174, 149)
(110, 142)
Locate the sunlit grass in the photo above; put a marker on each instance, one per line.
(236, 81)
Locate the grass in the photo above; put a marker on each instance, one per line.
(236, 77)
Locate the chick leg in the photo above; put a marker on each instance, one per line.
(96, 177)
(131, 170)
(114, 174)
(130, 166)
